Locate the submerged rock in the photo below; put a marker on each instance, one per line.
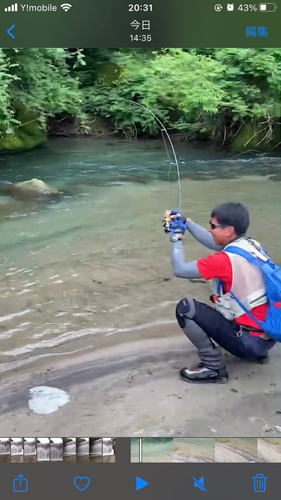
(31, 189)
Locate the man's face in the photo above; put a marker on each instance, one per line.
(221, 234)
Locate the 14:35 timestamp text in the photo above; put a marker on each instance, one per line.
(140, 38)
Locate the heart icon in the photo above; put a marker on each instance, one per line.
(79, 481)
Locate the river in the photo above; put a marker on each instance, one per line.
(94, 269)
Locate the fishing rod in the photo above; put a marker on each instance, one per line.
(163, 129)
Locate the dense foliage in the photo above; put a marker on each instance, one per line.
(231, 96)
(34, 85)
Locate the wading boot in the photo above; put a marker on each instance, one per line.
(200, 374)
(263, 361)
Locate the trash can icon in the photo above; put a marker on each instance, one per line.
(259, 483)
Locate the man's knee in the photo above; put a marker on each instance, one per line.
(185, 309)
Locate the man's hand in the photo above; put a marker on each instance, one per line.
(174, 223)
(172, 214)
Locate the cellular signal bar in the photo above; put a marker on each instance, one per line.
(12, 8)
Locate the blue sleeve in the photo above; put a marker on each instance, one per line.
(181, 268)
(202, 235)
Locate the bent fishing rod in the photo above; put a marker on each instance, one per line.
(163, 129)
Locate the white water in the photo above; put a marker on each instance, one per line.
(46, 400)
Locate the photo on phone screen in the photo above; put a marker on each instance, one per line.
(140, 282)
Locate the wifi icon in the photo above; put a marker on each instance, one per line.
(66, 6)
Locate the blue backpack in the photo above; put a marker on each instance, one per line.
(272, 278)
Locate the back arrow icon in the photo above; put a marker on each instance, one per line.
(8, 31)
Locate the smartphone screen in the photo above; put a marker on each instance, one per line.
(140, 284)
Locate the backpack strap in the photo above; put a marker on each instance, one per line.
(249, 257)
(252, 260)
(246, 311)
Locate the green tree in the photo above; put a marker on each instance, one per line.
(177, 86)
(35, 84)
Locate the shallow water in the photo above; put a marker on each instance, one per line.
(154, 450)
(82, 272)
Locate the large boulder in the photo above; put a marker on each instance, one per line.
(31, 189)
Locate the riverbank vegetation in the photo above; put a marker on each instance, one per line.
(228, 96)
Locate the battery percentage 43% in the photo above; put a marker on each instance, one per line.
(248, 7)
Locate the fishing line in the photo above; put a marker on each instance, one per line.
(167, 152)
(163, 129)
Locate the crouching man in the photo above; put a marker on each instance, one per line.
(225, 322)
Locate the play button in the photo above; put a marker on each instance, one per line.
(140, 483)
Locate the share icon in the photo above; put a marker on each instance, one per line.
(199, 483)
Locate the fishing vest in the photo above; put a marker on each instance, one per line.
(247, 281)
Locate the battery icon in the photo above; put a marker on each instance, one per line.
(267, 7)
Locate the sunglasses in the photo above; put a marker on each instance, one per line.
(215, 226)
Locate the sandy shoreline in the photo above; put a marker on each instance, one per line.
(183, 458)
(269, 450)
(134, 389)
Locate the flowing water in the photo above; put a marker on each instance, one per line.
(107, 446)
(29, 448)
(83, 448)
(43, 452)
(17, 447)
(69, 448)
(96, 447)
(56, 451)
(95, 266)
(5, 447)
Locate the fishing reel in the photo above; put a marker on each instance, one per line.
(174, 225)
(167, 224)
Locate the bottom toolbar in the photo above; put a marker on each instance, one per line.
(220, 481)
(165, 481)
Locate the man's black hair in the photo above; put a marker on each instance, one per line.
(233, 214)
